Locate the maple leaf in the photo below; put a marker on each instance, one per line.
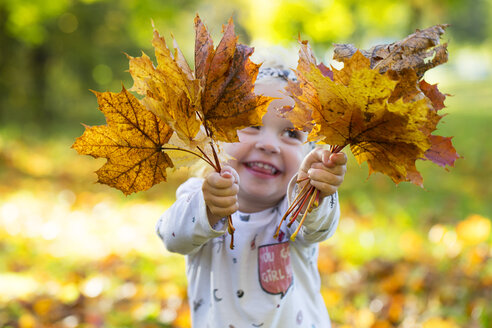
(227, 77)
(178, 113)
(305, 94)
(432, 92)
(420, 51)
(441, 151)
(341, 117)
(300, 115)
(387, 135)
(171, 91)
(355, 109)
(406, 61)
(131, 142)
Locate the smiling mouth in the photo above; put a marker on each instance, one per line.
(263, 168)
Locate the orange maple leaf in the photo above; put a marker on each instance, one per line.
(131, 142)
(227, 77)
(304, 93)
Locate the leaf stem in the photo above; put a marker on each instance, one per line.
(291, 208)
(306, 193)
(216, 157)
(311, 201)
(208, 160)
(188, 151)
(230, 229)
(336, 149)
(299, 209)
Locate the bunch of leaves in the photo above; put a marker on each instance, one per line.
(180, 114)
(378, 104)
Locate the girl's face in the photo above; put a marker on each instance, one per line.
(267, 157)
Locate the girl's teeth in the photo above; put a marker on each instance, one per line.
(273, 170)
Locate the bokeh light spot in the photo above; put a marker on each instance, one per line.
(102, 74)
(68, 23)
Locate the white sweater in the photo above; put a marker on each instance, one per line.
(262, 282)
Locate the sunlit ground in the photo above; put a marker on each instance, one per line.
(78, 254)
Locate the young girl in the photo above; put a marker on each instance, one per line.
(264, 281)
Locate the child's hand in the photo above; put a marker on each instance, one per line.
(220, 193)
(326, 170)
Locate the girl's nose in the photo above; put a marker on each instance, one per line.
(268, 145)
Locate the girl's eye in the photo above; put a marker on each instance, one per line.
(251, 129)
(292, 133)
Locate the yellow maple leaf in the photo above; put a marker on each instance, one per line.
(353, 109)
(171, 92)
(131, 141)
(406, 61)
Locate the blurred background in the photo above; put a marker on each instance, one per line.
(78, 254)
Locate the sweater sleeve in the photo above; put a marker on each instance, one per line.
(184, 227)
(321, 223)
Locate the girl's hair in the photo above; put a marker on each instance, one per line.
(276, 72)
(276, 62)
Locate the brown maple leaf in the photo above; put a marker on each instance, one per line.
(442, 151)
(227, 77)
(131, 142)
(205, 106)
(432, 92)
(419, 51)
